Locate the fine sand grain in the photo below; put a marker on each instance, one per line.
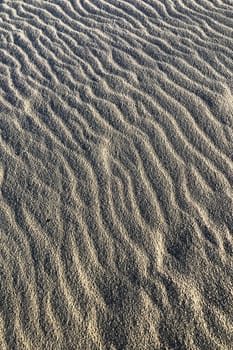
(116, 174)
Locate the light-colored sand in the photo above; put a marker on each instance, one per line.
(116, 174)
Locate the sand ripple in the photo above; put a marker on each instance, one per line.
(116, 174)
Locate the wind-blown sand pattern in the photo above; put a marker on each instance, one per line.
(116, 173)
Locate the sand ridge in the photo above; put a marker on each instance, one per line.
(116, 174)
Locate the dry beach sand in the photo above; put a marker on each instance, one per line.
(116, 174)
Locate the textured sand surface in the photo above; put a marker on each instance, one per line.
(116, 174)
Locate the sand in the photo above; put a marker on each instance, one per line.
(116, 174)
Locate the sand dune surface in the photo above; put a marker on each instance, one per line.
(116, 174)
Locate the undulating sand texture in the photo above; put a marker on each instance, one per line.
(116, 174)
